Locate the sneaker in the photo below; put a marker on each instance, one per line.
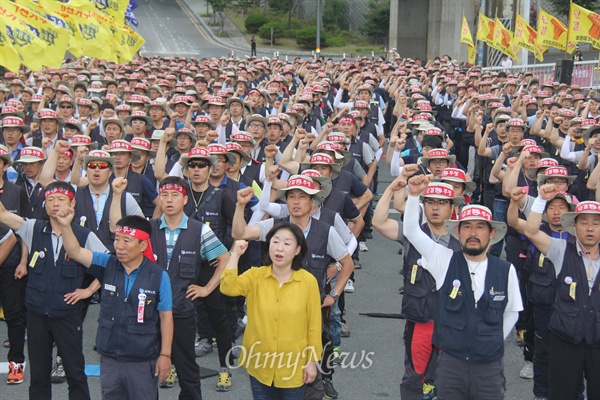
(362, 246)
(171, 379)
(349, 287)
(345, 330)
(58, 372)
(203, 347)
(368, 235)
(527, 370)
(15, 373)
(521, 338)
(224, 382)
(401, 290)
(357, 264)
(329, 391)
(6, 344)
(335, 357)
(429, 392)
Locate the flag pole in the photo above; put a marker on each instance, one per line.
(459, 43)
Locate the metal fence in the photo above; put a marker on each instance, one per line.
(585, 73)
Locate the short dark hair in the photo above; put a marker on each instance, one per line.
(298, 261)
(135, 222)
(175, 180)
(61, 185)
(502, 74)
(433, 141)
(106, 105)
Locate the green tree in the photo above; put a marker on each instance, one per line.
(219, 7)
(377, 24)
(561, 7)
(264, 32)
(335, 15)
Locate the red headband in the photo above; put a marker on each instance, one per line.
(347, 119)
(172, 186)
(57, 190)
(141, 235)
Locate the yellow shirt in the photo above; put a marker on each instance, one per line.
(284, 324)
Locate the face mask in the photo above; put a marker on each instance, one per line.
(531, 112)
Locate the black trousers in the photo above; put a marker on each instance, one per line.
(568, 364)
(217, 317)
(42, 333)
(10, 298)
(184, 357)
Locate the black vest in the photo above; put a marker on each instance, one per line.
(185, 265)
(251, 174)
(209, 212)
(469, 333)
(86, 216)
(48, 282)
(419, 301)
(343, 182)
(36, 199)
(120, 336)
(576, 319)
(356, 148)
(373, 113)
(542, 278)
(335, 201)
(11, 196)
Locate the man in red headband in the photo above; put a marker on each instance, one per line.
(135, 325)
(54, 313)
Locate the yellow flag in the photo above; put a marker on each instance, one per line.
(526, 37)
(97, 38)
(55, 37)
(114, 9)
(132, 42)
(65, 22)
(485, 30)
(29, 47)
(465, 37)
(503, 40)
(584, 26)
(9, 57)
(553, 33)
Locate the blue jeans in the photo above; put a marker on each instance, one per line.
(264, 392)
(499, 214)
(335, 319)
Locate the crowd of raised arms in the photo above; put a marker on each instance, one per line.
(149, 187)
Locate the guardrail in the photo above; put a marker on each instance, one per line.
(585, 73)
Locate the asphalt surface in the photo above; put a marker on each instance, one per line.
(380, 340)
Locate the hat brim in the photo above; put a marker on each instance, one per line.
(135, 154)
(335, 168)
(61, 122)
(211, 159)
(457, 200)
(7, 158)
(146, 118)
(451, 160)
(245, 157)
(500, 227)
(317, 194)
(470, 186)
(92, 146)
(326, 187)
(589, 132)
(542, 177)
(568, 219)
(24, 128)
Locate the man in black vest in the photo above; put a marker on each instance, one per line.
(135, 325)
(51, 125)
(574, 340)
(326, 248)
(52, 278)
(194, 265)
(32, 160)
(478, 300)
(13, 268)
(419, 299)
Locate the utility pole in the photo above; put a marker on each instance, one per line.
(318, 50)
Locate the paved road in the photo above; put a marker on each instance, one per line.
(377, 286)
(169, 31)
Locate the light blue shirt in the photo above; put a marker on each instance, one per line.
(172, 235)
(99, 203)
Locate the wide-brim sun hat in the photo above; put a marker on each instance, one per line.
(585, 207)
(477, 213)
(303, 183)
(442, 191)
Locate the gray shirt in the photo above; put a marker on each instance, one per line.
(556, 254)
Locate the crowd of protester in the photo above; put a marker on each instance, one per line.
(163, 176)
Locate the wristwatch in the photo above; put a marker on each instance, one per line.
(334, 294)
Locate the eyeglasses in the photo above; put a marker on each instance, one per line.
(138, 121)
(432, 202)
(438, 162)
(66, 107)
(197, 164)
(98, 165)
(256, 126)
(557, 181)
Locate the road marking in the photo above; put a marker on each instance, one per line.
(191, 18)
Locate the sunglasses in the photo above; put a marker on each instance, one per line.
(98, 165)
(198, 164)
(66, 107)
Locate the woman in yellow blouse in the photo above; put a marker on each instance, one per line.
(282, 342)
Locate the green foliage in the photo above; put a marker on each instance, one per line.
(219, 5)
(561, 7)
(335, 15)
(377, 22)
(254, 21)
(281, 5)
(264, 32)
(307, 37)
(336, 41)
